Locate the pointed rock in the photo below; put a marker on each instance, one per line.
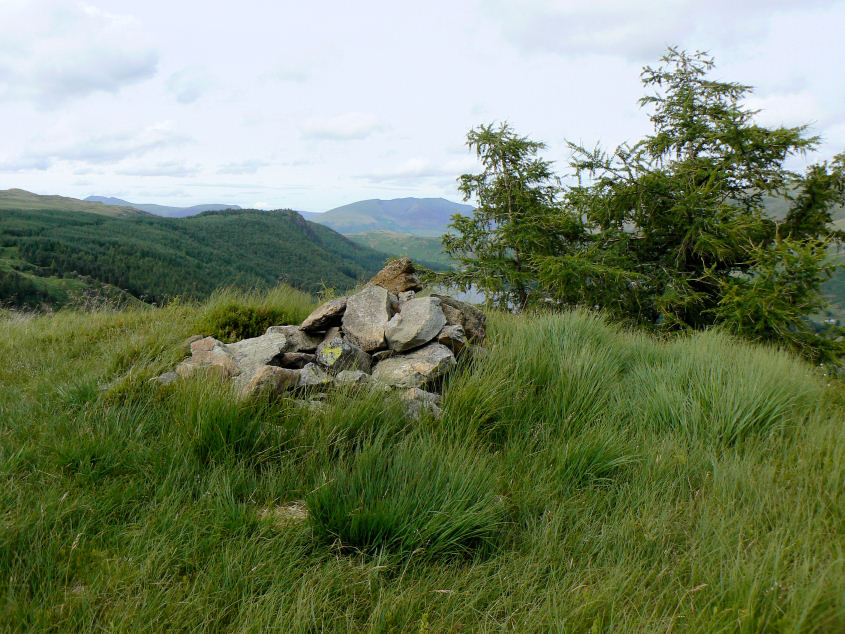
(327, 315)
(367, 313)
(397, 277)
(418, 323)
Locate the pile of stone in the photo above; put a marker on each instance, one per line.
(382, 336)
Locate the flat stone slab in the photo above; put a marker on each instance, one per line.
(417, 368)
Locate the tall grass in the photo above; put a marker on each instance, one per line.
(582, 478)
(418, 496)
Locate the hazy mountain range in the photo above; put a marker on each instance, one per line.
(161, 210)
(412, 216)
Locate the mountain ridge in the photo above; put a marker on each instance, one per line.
(20, 199)
(165, 211)
(415, 216)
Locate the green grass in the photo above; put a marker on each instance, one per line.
(582, 478)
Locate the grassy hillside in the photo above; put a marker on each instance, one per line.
(422, 249)
(582, 479)
(157, 258)
(417, 216)
(21, 200)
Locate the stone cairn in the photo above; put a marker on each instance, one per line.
(382, 336)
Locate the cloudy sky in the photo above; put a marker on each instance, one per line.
(273, 103)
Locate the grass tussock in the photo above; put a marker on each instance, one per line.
(231, 315)
(582, 478)
(417, 497)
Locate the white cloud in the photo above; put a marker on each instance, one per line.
(248, 166)
(415, 169)
(635, 30)
(173, 169)
(54, 51)
(104, 148)
(352, 125)
(188, 85)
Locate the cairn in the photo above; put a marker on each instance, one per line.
(384, 335)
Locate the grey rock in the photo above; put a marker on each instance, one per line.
(249, 354)
(354, 378)
(366, 315)
(270, 378)
(381, 355)
(339, 354)
(418, 403)
(404, 296)
(417, 368)
(297, 359)
(298, 339)
(453, 337)
(313, 377)
(325, 316)
(416, 394)
(168, 377)
(418, 323)
(458, 313)
(331, 333)
(314, 407)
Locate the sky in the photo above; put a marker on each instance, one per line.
(279, 104)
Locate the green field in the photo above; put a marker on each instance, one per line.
(583, 478)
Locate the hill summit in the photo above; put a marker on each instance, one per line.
(416, 216)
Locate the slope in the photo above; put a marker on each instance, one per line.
(634, 484)
(19, 199)
(423, 250)
(156, 258)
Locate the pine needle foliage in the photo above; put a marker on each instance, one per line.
(669, 232)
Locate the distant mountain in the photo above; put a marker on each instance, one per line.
(19, 199)
(416, 216)
(162, 210)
